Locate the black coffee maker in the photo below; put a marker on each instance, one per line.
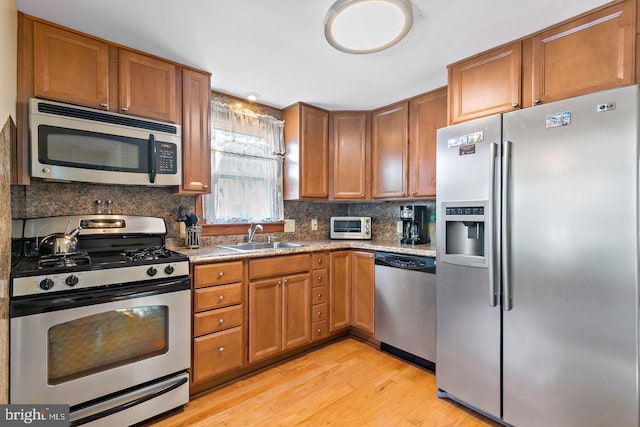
(414, 224)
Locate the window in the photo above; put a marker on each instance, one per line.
(246, 167)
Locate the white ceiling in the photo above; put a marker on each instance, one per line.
(276, 48)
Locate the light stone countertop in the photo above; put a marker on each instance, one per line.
(208, 254)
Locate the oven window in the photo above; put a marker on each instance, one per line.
(104, 341)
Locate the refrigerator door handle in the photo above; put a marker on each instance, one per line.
(506, 166)
(493, 292)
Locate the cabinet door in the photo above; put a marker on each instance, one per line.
(339, 291)
(485, 84)
(349, 154)
(265, 319)
(314, 153)
(196, 119)
(589, 54)
(147, 86)
(389, 151)
(296, 304)
(69, 67)
(426, 114)
(362, 289)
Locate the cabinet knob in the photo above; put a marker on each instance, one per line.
(279, 282)
(286, 280)
(319, 313)
(124, 109)
(319, 278)
(221, 298)
(536, 101)
(205, 186)
(104, 105)
(515, 105)
(319, 331)
(319, 295)
(220, 349)
(220, 274)
(362, 195)
(319, 260)
(221, 321)
(413, 193)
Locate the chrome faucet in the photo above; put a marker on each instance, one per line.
(252, 230)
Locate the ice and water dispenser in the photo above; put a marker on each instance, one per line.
(465, 233)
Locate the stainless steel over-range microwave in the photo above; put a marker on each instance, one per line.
(71, 143)
(351, 227)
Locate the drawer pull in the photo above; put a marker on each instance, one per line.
(319, 278)
(319, 260)
(220, 349)
(319, 295)
(221, 297)
(221, 274)
(221, 321)
(319, 313)
(319, 331)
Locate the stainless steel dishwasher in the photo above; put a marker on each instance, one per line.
(405, 306)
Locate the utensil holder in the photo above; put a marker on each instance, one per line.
(193, 236)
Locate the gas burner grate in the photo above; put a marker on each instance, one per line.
(147, 254)
(64, 260)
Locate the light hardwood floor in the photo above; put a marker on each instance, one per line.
(347, 383)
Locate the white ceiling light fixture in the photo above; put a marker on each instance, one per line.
(367, 26)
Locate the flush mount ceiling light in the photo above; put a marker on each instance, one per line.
(367, 26)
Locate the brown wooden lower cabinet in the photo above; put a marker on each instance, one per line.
(279, 307)
(340, 291)
(362, 291)
(218, 318)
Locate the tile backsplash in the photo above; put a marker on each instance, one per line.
(43, 198)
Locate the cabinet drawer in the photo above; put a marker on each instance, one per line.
(279, 265)
(320, 259)
(216, 353)
(217, 296)
(217, 274)
(319, 330)
(319, 312)
(319, 277)
(319, 295)
(217, 320)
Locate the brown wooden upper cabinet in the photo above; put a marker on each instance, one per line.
(485, 84)
(427, 113)
(147, 86)
(70, 67)
(390, 151)
(196, 119)
(306, 164)
(404, 146)
(350, 155)
(591, 52)
(588, 54)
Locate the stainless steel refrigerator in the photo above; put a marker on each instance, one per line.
(537, 254)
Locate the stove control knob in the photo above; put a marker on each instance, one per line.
(151, 271)
(71, 280)
(169, 269)
(46, 284)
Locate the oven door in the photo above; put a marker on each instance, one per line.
(74, 348)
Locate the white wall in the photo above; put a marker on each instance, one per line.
(8, 58)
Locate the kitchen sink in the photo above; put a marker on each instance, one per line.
(241, 247)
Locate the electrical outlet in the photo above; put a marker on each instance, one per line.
(289, 225)
(398, 226)
(314, 224)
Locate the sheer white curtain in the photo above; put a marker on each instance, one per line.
(246, 167)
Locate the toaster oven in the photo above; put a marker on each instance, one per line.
(351, 227)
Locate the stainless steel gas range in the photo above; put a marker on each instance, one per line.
(103, 327)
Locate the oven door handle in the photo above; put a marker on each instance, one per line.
(24, 306)
(130, 404)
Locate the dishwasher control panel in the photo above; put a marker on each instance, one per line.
(407, 262)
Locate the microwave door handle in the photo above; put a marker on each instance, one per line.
(152, 158)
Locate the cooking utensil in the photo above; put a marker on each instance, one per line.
(60, 243)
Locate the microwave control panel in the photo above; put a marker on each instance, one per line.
(167, 158)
